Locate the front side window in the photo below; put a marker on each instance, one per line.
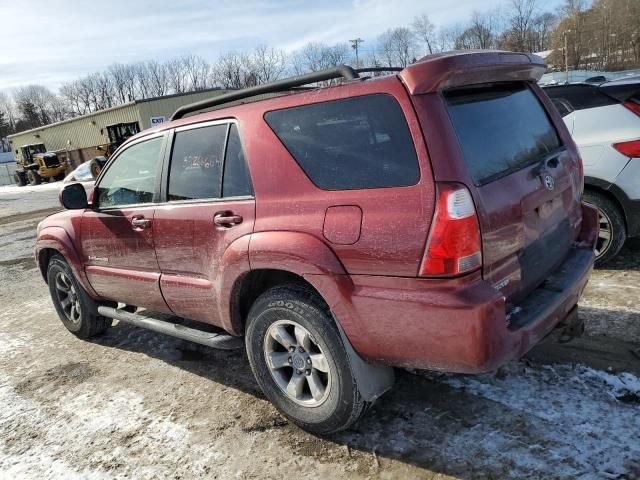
(131, 179)
(196, 163)
(361, 142)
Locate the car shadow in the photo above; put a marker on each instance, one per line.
(421, 422)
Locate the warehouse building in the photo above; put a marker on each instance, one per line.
(76, 139)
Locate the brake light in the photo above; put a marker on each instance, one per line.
(629, 149)
(454, 245)
(633, 106)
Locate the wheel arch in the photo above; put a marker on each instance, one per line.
(55, 240)
(276, 258)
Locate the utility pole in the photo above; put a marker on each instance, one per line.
(355, 44)
(566, 55)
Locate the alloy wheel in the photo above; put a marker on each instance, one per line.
(68, 298)
(297, 363)
(605, 233)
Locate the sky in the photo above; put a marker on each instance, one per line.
(49, 42)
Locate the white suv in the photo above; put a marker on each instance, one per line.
(605, 123)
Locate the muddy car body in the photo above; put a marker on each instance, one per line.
(424, 238)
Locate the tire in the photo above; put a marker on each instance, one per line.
(95, 168)
(292, 306)
(613, 232)
(33, 177)
(19, 179)
(59, 177)
(87, 323)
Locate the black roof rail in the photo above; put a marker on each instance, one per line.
(340, 71)
(379, 69)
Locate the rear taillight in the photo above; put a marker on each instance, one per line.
(629, 149)
(454, 245)
(633, 106)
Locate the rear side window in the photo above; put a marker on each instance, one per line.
(580, 97)
(501, 128)
(236, 181)
(361, 142)
(196, 163)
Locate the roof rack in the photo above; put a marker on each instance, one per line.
(340, 71)
(379, 69)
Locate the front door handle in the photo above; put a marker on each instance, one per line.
(226, 219)
(140, 223)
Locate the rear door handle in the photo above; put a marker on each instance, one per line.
(226, 219)
(140, 223)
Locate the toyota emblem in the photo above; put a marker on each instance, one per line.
(548, 182)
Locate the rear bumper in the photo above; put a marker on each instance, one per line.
(460, 325)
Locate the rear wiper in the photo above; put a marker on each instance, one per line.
(550, 160)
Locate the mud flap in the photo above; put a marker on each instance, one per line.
(372, 380)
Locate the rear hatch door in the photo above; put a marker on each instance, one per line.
(526, 183)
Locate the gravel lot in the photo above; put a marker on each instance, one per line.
(135, 404)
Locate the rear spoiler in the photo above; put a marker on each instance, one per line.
(621, 91)
(447, 70)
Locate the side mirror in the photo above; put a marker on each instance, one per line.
(74, 197)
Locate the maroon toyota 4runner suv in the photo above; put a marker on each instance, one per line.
(430, 218)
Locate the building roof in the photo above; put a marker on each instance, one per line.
(117, 107)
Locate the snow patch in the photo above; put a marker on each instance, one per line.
(113, 426)
(588, 419)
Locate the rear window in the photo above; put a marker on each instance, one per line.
(361, 142)
(501, 128)
(580, 97)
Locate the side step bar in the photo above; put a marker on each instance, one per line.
(214, 340)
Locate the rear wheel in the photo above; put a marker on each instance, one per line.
(33, 177)
(297, 356)
(612, 231)
(59, 177)
(76, 309)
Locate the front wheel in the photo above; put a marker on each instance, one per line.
(297, 356)
(76, 309)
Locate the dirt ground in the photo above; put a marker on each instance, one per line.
(135, 404)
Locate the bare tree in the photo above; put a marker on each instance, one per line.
(37, 106)
(176, 77)
(143, 80)
(124, 82)
(425, 31)
(397, 47)
(319, 56)
(229, 71)
(521, 15)
(8, 108)
(267, 63)
(196, 70)
(158, 81)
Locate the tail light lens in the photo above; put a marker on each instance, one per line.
(633, 106)
(629, 149)
(454, 245)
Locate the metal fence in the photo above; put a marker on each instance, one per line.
(6, 173)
